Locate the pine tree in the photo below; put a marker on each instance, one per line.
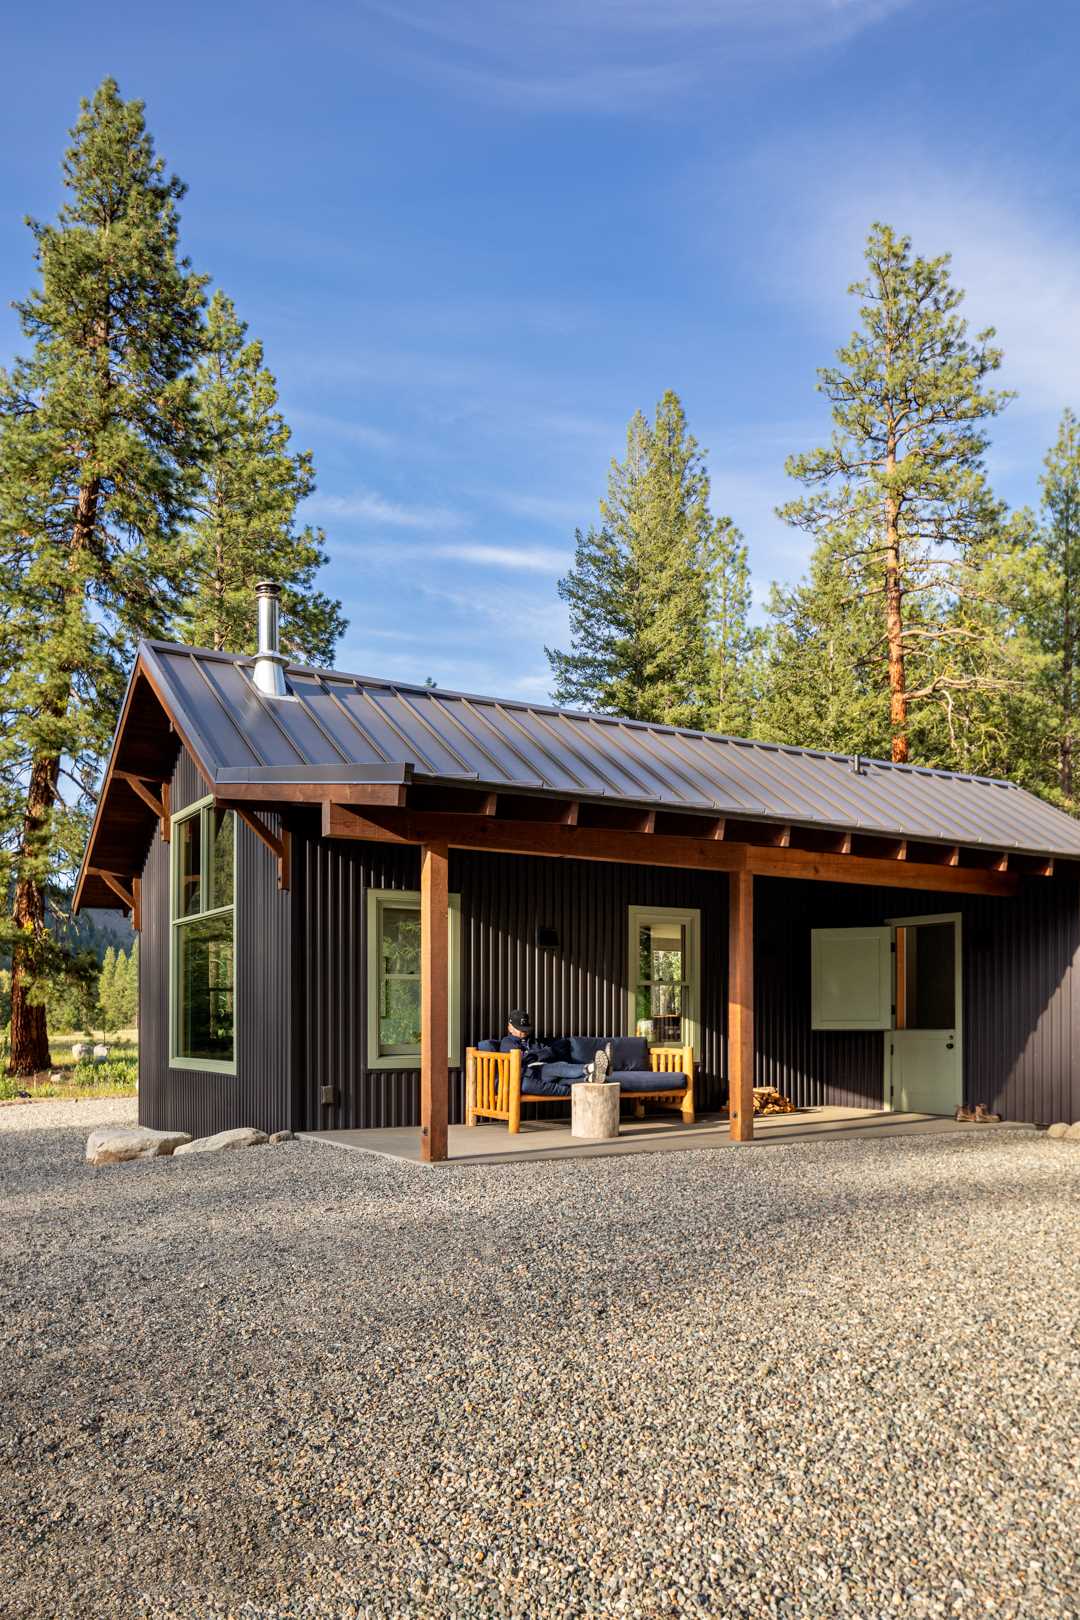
(901, 485)
(642, 586)
(735, 644)
(1056, 620)
(96, 445)
(245, 507)
(107, 989)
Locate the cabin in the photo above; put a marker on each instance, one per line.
(343, 883)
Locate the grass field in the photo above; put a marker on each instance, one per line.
(117, 1077)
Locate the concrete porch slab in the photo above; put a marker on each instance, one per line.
(491, 1143)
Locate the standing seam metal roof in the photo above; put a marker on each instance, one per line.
(340, 727)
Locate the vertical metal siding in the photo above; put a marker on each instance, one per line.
(259, 1092)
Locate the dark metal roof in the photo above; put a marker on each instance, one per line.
(338, 728)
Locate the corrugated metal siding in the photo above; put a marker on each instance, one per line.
(259, 1093)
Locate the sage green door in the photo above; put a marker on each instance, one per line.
(923, 1058)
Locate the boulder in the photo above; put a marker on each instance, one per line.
(79, 1051)
(112, 1144)
(1073, 1132)
(282, 1136)
(1057, 1131)
(244, 1136)
(100, 1053)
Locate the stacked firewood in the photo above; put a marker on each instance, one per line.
(767, 1100)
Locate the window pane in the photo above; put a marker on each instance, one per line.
(205, 988)
(658, 1013)
(400, 944)
(661, 952)
(189, 866)
(221, 824)
(399, 1017)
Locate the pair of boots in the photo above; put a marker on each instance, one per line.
(979, 1115)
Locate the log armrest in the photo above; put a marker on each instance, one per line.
(493, 1087)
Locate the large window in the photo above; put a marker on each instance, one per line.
(203, 965)
(664, 975)
(393, 965)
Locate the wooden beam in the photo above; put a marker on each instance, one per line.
(719, 827)
(494, 834)
(570, 814)
(136, 904)
(434, 1002)
(116, 883)
(157, 801)
(740, 1023)
(279, 847)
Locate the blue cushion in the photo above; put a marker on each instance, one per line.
(487, 1046)
(629, 1052)
(635, 1080)
(560, 1048)
(583, 1048)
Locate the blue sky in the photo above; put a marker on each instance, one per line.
(475, 235)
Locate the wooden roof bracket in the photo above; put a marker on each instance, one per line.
(131, 898)
(279, 847)
(154, 794)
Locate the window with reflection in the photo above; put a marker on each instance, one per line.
(203, 938)
(663, 975)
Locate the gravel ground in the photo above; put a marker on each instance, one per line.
(85, 1112)
(839, 1378)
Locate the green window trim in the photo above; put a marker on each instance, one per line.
(194, 878)
(383, 1054)
(686, 925)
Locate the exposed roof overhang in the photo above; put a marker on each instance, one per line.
(378, 746)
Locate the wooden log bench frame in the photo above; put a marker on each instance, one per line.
(493, 1085)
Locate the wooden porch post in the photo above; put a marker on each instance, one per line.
(434, 1001)
(740, 1029)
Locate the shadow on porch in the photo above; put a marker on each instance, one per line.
(551, 1139)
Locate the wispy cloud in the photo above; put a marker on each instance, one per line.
(344, 429)
(518, 559)
(606, 56)
(368, 506)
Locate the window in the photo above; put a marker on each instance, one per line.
(203, 965)
(664, 975)
(393, 966)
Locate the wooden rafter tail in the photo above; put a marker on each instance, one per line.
(569, 817)
(719, 827)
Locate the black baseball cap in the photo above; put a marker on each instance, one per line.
(520, 1019)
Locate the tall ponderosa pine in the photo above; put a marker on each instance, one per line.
(901, 485)
(96, 445)
(640, 592)
(735, 645)
(245, 506)
(1056, 628)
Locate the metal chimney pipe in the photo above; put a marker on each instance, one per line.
(270, 661)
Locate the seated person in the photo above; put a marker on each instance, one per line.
(519, 1037)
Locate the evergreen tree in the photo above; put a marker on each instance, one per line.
(244, 527)
(1053, 611)
(642, 586)
(901, 485)
(107, 989)
(96, 446)
(735, 645)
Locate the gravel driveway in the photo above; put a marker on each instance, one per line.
(818, 1380)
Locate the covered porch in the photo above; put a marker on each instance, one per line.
(897, 876)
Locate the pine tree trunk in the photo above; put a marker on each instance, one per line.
(894, 631)
(29, 1022)
(29, 1028)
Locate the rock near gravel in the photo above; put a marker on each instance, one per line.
(277, 1137)
(1056, 1132)
(1073, 1132)
(243, 1137)
(114, 1144)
